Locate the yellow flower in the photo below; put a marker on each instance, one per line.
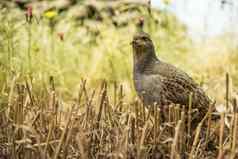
(50, 14)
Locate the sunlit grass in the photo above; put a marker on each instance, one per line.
(99, 50)
(94, 50)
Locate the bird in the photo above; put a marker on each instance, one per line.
(161, 83)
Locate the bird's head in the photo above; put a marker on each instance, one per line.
(143, 50)
(142, 43)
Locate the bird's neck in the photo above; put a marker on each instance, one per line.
(143, 62)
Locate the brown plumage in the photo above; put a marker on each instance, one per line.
(162, 83)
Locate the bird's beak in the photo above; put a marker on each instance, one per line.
(133, 42)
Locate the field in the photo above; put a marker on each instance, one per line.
(66, 86)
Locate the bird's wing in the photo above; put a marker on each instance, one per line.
(177, 90)
(162, 90)
(179, 85)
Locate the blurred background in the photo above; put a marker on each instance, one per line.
(204, 18)
(80, 39)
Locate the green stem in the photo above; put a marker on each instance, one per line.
(29, 48)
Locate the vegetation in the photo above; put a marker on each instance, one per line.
(66, 86)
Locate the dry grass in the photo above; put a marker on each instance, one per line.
(37, 125)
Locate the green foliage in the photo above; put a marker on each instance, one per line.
(93, 42)
(93, 49)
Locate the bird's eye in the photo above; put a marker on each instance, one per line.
(144, 38)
